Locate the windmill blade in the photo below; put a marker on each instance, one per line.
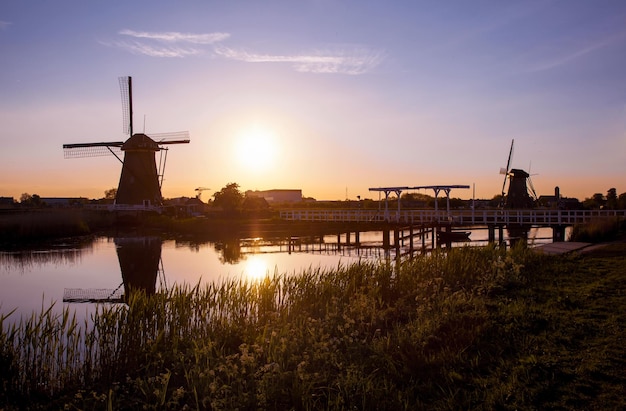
(176, 137)
(508, 166)
(531, 187)
(126, 91)
(508, 163)
(83, 150)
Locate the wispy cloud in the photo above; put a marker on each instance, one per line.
(175, 37)
(167, 44)
(357, 61)
(572, 55)
(155, 50)
(4, 25)
(349, 60)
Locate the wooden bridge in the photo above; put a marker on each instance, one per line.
(534, 217)
(494, 219)
(421, 221)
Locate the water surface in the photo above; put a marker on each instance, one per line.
(103, 268)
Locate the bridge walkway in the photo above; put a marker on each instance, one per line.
(525, 217)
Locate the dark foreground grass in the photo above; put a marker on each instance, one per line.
(471, 329)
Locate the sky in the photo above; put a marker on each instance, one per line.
(327, 96)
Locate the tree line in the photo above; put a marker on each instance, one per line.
(231, 199)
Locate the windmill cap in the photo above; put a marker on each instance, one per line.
(519, 173)
(140, 141)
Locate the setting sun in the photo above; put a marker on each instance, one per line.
(256, 149)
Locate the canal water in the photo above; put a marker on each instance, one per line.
(80, 274)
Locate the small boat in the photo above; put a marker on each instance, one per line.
(452, 236)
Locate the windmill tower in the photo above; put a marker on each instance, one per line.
(518, 196)
(140, 180)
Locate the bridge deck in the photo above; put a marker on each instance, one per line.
(538, 217)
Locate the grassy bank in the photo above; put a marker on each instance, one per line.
(471, 329)
(23, 227)
(601, 230)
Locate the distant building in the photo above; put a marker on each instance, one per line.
(556, 201)
(195, 206)
(187, 206)
(277, 196)
(7, 202)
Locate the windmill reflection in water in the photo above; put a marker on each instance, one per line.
(141, 268)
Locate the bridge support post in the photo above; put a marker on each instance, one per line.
(558, 233)
(386, 238)
(411, 241)
(432, 238)
(396, 240)
(492, 233)
(500, 234)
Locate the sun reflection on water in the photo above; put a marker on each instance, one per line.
(256, 268)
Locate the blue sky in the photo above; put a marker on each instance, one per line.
(332, 97)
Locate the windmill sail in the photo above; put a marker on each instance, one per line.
(126, 91)
(505, 171)
(82, 150)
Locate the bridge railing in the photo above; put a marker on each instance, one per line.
(123, 207)
(538, 217)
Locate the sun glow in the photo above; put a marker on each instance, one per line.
(256, 149)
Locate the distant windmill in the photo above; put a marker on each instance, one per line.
(140, 181)
(519, 181)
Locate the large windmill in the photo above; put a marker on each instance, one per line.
(140, 181)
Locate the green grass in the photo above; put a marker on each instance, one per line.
(467, 329)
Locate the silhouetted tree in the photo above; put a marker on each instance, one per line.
(27, 200)
(621, 201)
(595, 202)
(229, 198)
(611, 199)
(110, 193)
(417, 200)
(255, 204)
(496, 201)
